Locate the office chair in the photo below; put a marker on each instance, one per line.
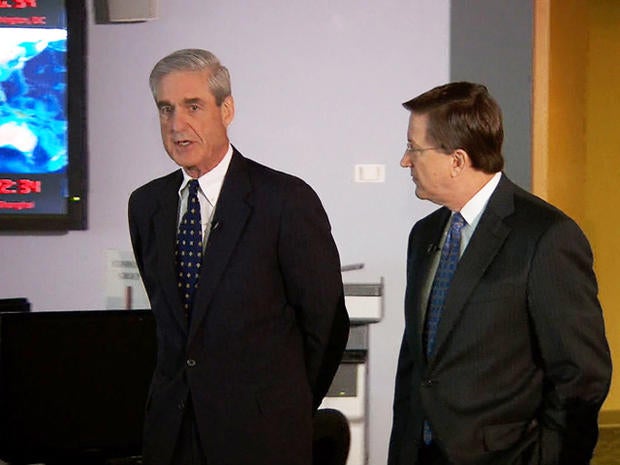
(331, 438)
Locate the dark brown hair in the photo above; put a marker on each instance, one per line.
(463, 115)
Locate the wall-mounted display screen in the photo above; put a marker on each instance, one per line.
(42, 115)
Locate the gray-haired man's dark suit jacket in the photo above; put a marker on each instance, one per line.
(268, 324)
(521, 364)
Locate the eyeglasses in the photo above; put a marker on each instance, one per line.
(411, 148)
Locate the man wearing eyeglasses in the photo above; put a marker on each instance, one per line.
(504, 359)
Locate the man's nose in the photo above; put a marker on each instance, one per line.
(178, 121)
(405, 161)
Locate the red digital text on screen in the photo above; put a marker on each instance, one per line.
(16, 205)
(20, 186)
(18, 4)
(23, 21)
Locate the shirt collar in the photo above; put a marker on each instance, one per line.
(211, 182)
(473, 209)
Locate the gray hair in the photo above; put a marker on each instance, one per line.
(194, 59)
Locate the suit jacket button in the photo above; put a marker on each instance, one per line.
(428, 382)
(181, 405)
(191, 363)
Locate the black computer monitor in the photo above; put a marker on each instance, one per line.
(73, 384)
(14, 304)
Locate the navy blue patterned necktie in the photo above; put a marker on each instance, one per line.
(450, 254)
(189, 248)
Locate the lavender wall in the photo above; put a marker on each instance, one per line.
(318, 86)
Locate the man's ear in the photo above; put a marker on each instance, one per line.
(460, 161)
(228, 110)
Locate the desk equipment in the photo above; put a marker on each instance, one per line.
(349, 390)
(73, 385)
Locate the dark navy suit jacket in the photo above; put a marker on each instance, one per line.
(521, 364)
(268, 324)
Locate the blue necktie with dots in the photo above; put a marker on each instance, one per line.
(189, 248)
(450, 254)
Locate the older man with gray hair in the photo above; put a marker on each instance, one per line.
(243, 277)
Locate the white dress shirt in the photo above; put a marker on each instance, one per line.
(210, 186)
(471, 212)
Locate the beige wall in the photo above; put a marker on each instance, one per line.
(602, 166)
(577, 137)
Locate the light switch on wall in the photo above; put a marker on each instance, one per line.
(369, 173)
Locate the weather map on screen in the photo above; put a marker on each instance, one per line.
(33, 116)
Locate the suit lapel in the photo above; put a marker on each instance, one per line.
(165, 228)
(484, 245)
(423, 252)
(231, 214)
